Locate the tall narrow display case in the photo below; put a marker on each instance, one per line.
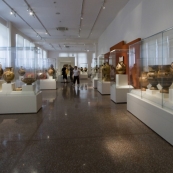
(119, 75)
(49, 74)
(103, 83)
(151, 75)
(20, 91)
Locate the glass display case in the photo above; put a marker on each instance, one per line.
(94, 68)
(118, 62)
(20, 88)
(100, 63)
(19, 66)
(151, 69)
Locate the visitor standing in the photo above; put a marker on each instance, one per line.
(64, 74)
(76, 73)
(71, 73)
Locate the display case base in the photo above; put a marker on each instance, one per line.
(94, 81)
(119, 93)
(83, 76)
(48, 84)
(103, 87)
(157, 118)
(25, 101)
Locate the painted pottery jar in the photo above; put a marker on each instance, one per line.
(121, 68)
(164, 78)
(152, 76)
(143, 81)
(21, 71)
(106, 72)
(8, 74)
(51, 71)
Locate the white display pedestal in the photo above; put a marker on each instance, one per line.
(95, 82)
(157, 118)
(1, 82)
(103, 87)
(83, 75)
(48, 83)
(25, 101)
(120, 89)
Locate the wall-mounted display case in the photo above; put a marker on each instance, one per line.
(151, 75)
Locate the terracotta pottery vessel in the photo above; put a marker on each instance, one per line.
(8, 74)
(152, 76)
(21, 71)
(121, 68)
(143, 81)
(51, 71)
(28, 81)
(164, 78)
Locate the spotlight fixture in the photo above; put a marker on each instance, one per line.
(12, 12)
(81, 18)
(103, 7)
(46, 33)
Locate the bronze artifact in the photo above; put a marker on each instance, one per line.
(8, 74)
(21, 71)
(152, 76)
(121, 68)
(164, 78)
(143, 81)
(106, 72)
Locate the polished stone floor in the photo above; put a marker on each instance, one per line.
(80, 131)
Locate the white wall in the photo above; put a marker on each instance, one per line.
(138, 19)
(55, 54)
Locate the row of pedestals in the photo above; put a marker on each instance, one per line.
(118, 91)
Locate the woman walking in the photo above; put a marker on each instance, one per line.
(76, 73)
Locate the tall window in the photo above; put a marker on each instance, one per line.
(4, 43)
(82, 59)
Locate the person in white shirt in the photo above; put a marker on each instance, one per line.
(76, 73)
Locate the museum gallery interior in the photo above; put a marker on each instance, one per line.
(118, 119)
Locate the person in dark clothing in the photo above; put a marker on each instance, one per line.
(71, 73)
(64, 74)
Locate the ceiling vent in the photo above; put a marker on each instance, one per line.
(62, 29)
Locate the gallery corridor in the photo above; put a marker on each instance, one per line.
(80, 131)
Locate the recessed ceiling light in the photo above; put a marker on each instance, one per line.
(104, 7)
(46, 33)
(81, 18)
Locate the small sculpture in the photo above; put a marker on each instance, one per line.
(81, 69)
(28, 81)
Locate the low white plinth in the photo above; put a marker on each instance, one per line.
(158, 119)
(119, 93)
(103, 87)
(120, 89)
(25, 101)
(8, 87)
(1, 82)
(83, 75)
(48, 84)
(95, 82)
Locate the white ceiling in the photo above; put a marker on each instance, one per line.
(70, 13)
